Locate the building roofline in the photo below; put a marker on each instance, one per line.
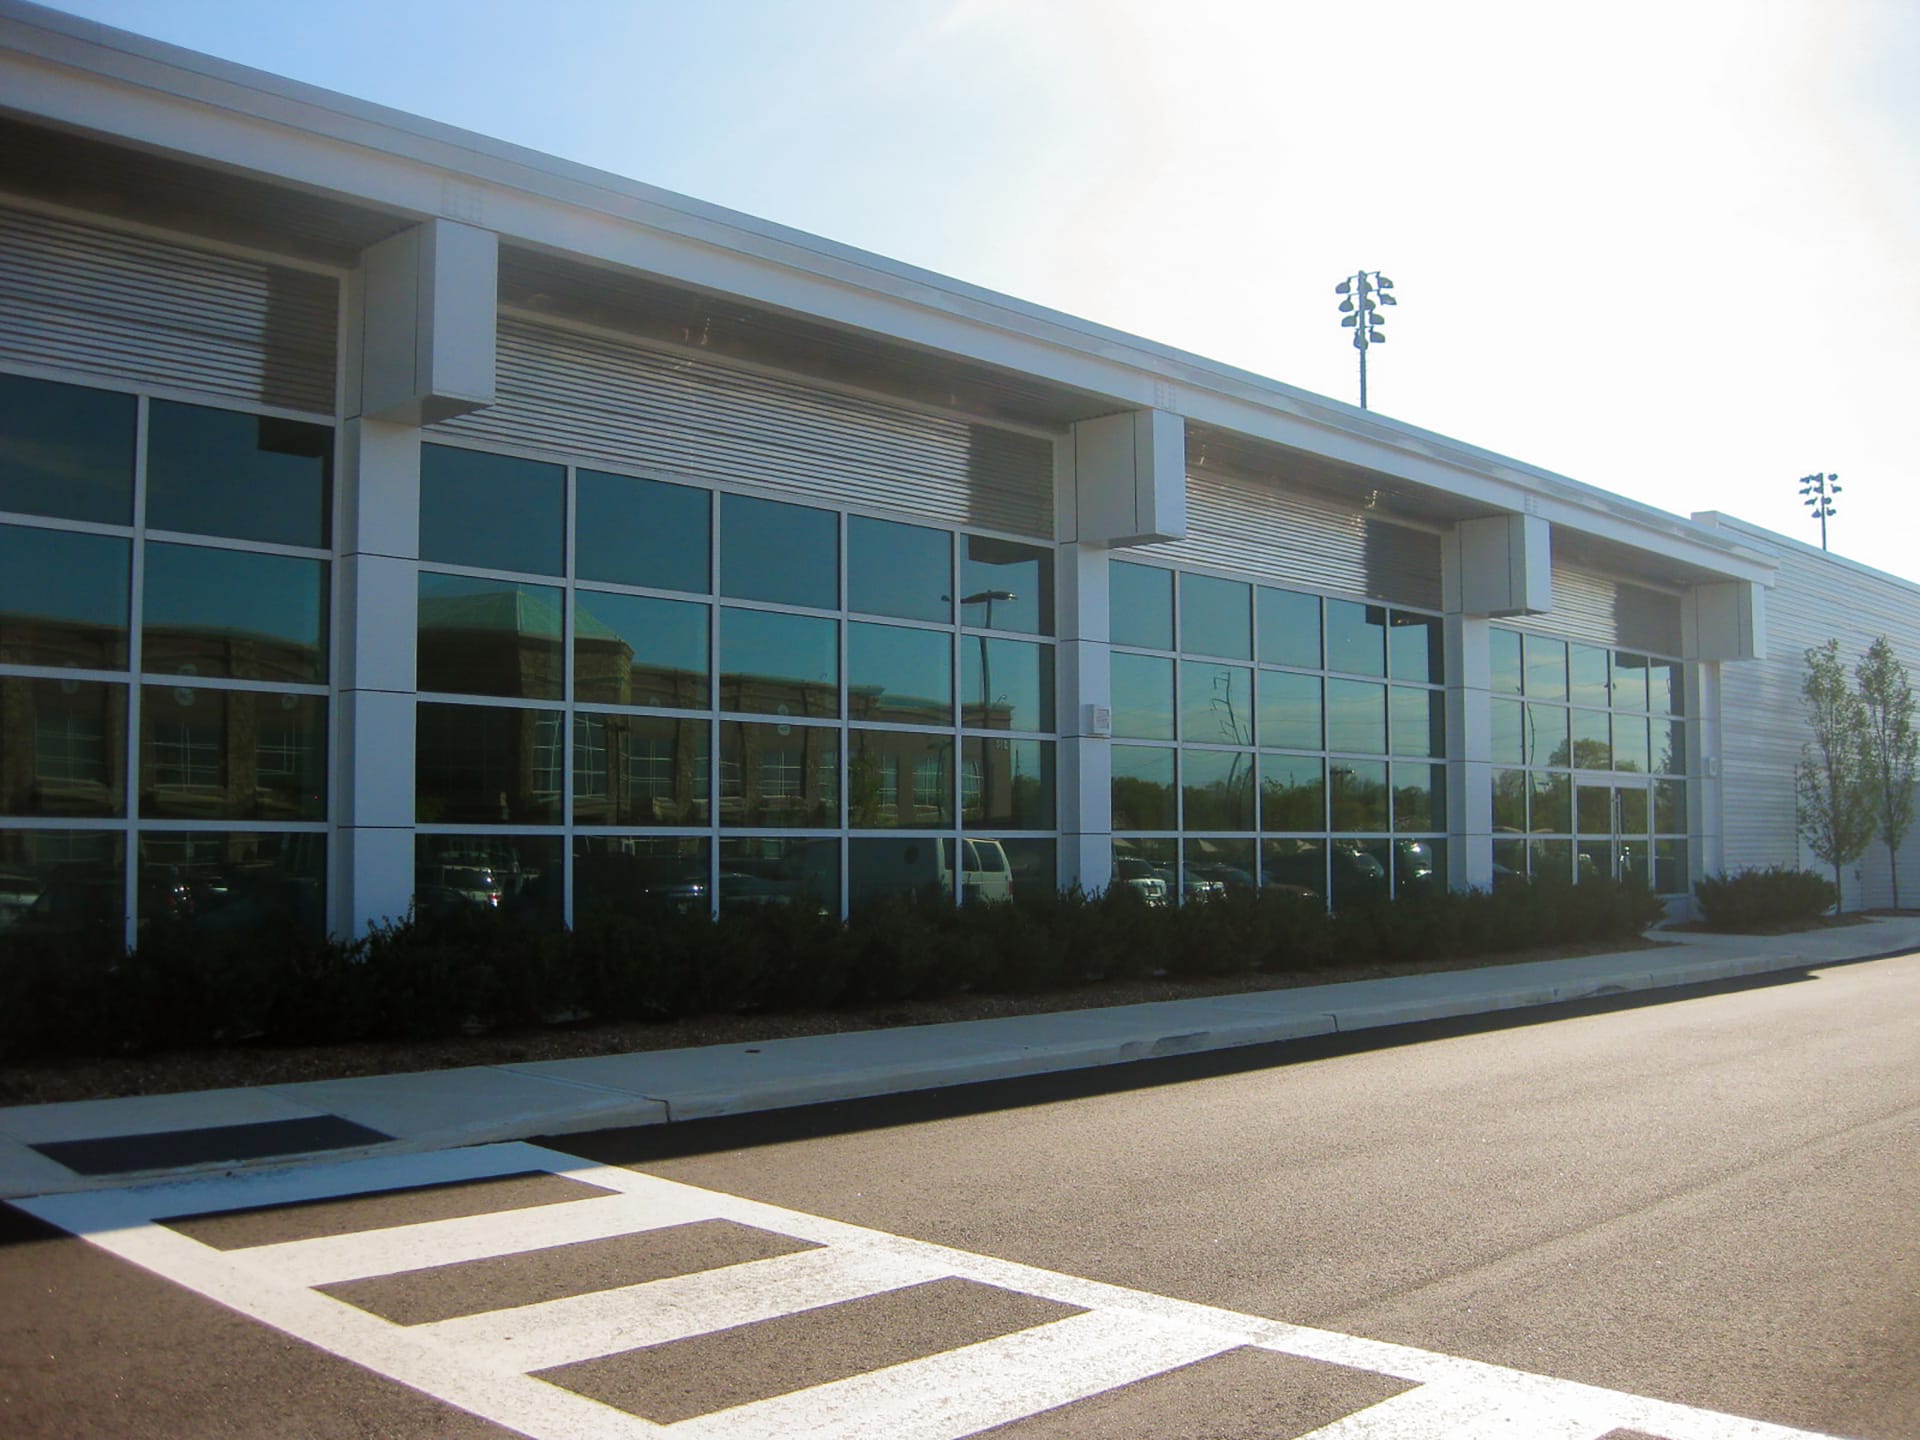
(57, 67)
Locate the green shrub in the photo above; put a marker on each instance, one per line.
(1773, 898)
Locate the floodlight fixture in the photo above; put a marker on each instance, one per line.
(1364, 292)
(1817, 492)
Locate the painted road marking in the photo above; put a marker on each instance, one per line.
(484, 1362)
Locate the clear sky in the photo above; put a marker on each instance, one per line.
(1668, 247)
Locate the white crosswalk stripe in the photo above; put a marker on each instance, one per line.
(486, 1363)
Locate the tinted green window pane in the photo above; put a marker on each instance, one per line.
(491, 511)
(519, 875)
(1290, 712)
(1633, 811)
(1547, 735)
(1509, 863)
(1217, 789)
(903, 570)
(1293, 792)
(1666, 694)
(236, 614)
(1592, 740)
(1552, 804)
(1588, 671)
(1216, 703)
(234, 882)
(1006, 784)
(899, 779)
(639, 770)
(1415, 650)
(1670, 807)
(1552, 861)
(1356, 638)
(1630, 682)
(903, 868)
(779, 776)
(1141, 601)
(639, 878)
(1289, 628)
(779, 664)
(1592, 860)
(219, 472)
(1670, 876)
(1510, 800)
(1504, 652)
(1005, 684)
(1357, 716)
(232, 755)
(1296, 867)
(758, 871)
(66, 451)
(1213, 868)
(486, 764)
(63, 598)
(1630, 750)
(1035, 864)
(1418, 721)
(1509, 746)
(641, 532)
(1546, 668)
(1593, 809)
(894, 673)
(1668, 746)
(1143, 788)
(638, 650)
(1357, 791)
(789, 554)
(1216, 617)
(489, 637)
(71, 882)
(1142, 697)
(63, 747)
(1359, 870)
(1005, 585)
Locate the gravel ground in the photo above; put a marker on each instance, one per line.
(171, 1071)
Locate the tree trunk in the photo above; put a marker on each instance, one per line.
(1839, 892)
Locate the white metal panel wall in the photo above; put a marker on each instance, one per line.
(1604, 610)
(1815, 597)
(1304, 541)
(592, 397)
(146, 311)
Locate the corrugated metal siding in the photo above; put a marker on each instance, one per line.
(146, 311)
(1304, 541)
(1764, 725)
(592, 397)
(1605, 611)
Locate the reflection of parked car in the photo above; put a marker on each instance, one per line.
(17, 894)
(1196, 886)
(1139, 877)
(986, 874)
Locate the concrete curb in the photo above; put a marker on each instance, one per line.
(484, 1104)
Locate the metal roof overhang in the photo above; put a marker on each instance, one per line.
(103, 120)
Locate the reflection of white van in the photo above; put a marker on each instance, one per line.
(986, 875)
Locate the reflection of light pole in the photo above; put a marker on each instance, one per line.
(986, 687)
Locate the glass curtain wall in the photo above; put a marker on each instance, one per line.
(165, 591)
(1273, 738)
(1590, 762)
(640, 694)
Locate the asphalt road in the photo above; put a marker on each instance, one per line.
(1713, 1201)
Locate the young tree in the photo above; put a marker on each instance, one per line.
(1833, 806)
(1893, 750)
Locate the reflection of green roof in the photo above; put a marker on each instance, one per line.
(517, 612)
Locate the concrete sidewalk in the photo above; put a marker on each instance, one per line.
(94, 1143)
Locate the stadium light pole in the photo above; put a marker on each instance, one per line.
(1361, 296)
(1817, 492)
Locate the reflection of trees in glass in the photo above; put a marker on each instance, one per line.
(1142, 804)
(1293, 798)
(1359, 793)
(1224, 802)
(1509, 800)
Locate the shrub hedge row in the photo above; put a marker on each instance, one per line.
(1775, 898)
(426, 977)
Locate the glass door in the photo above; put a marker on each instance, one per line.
(1614, 816)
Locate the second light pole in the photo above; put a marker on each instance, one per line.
(1361, 296)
